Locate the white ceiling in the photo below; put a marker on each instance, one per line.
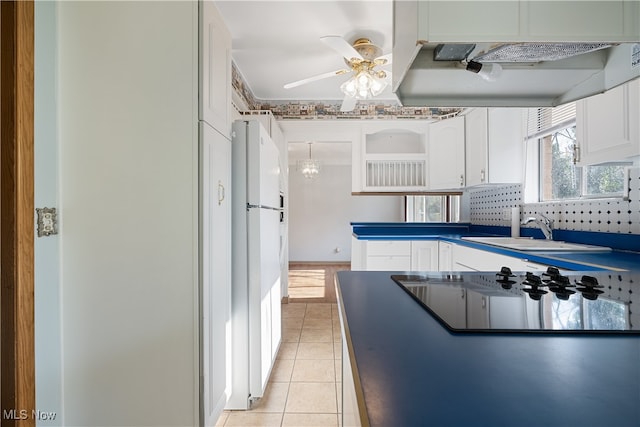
(278, 42)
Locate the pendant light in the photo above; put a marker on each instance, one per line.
(309, 168)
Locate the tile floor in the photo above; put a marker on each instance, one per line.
(305, 384)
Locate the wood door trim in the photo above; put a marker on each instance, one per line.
(17, 388)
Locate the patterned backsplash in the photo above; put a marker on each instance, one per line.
(488, 206)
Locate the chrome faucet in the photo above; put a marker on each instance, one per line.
(543, 222)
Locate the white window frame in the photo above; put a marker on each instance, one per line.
(542, 122)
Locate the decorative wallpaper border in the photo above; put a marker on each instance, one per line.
(330, 110)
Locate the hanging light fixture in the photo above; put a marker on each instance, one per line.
(309, 168)
(365, 84)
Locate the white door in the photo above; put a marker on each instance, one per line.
(264, 296)
(215, 180)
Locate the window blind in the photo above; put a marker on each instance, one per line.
(546, 120)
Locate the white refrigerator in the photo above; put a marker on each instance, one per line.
(256, 291)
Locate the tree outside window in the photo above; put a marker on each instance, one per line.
(561, 179)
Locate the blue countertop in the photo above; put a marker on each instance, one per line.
(452, 232)
(415, 372)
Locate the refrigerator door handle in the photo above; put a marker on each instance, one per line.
(250, 206)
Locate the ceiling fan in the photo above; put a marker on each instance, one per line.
(364, 59)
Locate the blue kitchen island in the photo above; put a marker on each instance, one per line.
(407, 369)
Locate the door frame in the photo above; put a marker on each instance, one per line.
(17, 336)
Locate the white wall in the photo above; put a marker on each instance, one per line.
(128, 190)
(321, 210)
(48, 346)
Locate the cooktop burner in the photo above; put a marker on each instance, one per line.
(552, 302)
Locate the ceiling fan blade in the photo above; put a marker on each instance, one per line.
(348, 104)
(384, 59)
(314, 78)
(341, 46)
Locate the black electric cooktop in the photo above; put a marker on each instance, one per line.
(550, 302)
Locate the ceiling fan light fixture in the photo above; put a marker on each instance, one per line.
(364, 85)
(349, 87)
(377, 86)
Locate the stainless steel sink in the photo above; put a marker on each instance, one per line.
(529, 244)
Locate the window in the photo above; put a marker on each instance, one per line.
(439, 208)
(554, 130)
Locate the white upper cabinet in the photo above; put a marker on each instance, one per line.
(608, 125)
(513, 20)
(494, 146)
(476, 147)
(446, 154)
(215, 69)
(506, 145)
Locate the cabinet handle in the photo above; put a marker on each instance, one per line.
(461, 180)
(482, 175)
(576, 153)
(221, 193)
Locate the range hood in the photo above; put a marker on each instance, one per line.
(512, 53)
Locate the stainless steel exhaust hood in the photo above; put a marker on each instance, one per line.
(512, 53)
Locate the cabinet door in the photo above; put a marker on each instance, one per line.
(446, 154)
(388, 263)
(445, 256)
(476, 148)
(470, 259)
(215, 184)
(505, 145)
(215, 69)
(513, 21)
(607, 125)
(477, 310)
(424, 255)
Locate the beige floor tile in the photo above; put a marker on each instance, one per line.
(320, 310)
(314, 371)
(293, 310)
(310, 420)
(312, 398)
(339, 396)
(316, 335)
(315, 350)
(222, 419)
(290, 335)
(288, 350)
(293, 323)
(337, 349)
(335, 311)
(337, 332)
(274, 399)
(281, 371)
(317, 323)
(338, 364)
(251, 418)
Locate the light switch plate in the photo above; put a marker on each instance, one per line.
(47, 221)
